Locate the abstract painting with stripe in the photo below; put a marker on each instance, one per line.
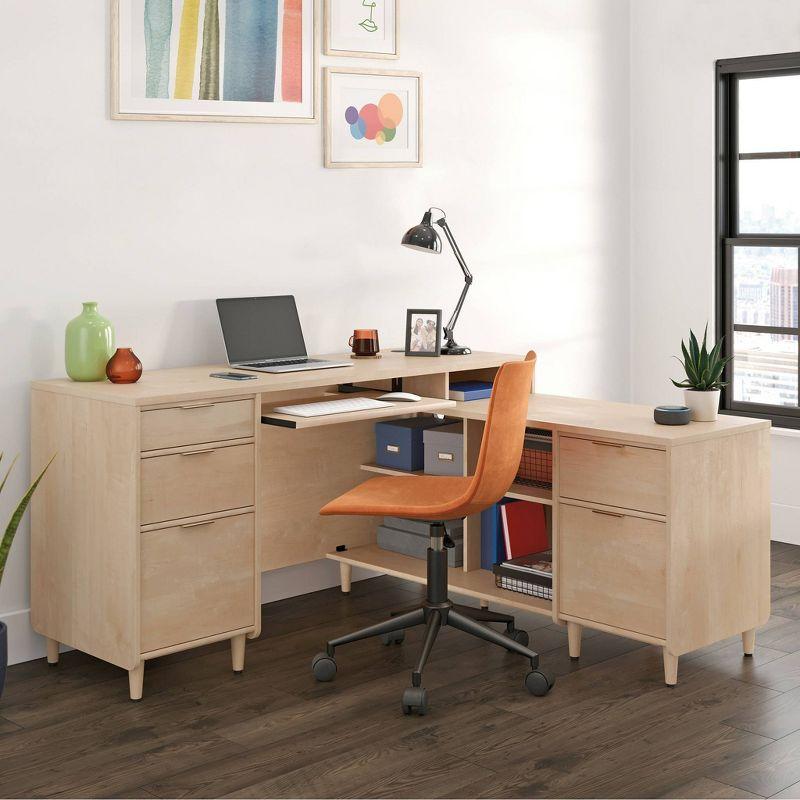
(251, 59)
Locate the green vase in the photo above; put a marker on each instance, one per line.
(89, 345)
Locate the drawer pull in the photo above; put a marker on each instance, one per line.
(608, 444)
(198, 524)
(197, 405)
(198, 452)
(607, 513)
(445, 456)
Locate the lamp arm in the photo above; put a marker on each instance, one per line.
(448, 329)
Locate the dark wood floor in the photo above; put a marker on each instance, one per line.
(610, 728)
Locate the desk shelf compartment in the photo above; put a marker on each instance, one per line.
(477, 583)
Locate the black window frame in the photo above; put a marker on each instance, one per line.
(728, 74)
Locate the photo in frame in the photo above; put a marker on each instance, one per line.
(373, 118)
(361, 28)
(424, 332)
(214, 60)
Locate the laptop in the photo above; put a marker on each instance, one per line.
(263, 334)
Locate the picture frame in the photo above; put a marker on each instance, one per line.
(373, 118)
(147, 72)
(421, 340)
(361, 28)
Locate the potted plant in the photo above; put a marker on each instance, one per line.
(5, 549)
(703, 381)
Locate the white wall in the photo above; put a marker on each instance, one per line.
(526, 147)
(674, 44)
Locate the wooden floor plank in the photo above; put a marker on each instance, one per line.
(730, 728)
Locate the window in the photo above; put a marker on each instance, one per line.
(758, 234)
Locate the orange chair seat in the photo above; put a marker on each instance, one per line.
(426, 497)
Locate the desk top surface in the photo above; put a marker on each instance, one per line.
(603, 418)
(190, 383)
(578, 416)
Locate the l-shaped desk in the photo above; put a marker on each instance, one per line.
(169, 497)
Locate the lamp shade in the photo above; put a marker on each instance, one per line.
(423, 237)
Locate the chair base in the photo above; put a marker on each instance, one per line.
(436, 612)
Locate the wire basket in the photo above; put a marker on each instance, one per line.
(506, 579)
(536, 464)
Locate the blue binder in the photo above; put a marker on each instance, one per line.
(493, 546)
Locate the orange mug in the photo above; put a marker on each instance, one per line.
(364, 342)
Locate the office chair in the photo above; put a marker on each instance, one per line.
(435, 499)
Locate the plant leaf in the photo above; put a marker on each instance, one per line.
(16, 518)
(7, 473)
(694, 348)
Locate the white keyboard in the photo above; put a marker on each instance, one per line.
(332, 407)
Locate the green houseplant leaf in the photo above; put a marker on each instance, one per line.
(16, 517)
(704, 369)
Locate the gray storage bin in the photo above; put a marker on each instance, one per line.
(416, 546)
(444, 450)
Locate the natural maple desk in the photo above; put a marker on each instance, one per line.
(168, 498)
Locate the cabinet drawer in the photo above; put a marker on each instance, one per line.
(197, 581)
(197, 423)
(197, 482)
(612, 569)
(612, 474)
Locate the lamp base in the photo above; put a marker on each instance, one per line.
(455, 350)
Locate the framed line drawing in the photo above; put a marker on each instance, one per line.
(361, 28)
(214, 60)
(373, 118)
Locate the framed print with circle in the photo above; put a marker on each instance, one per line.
(373, 118)
(214, 60)
(361, 28)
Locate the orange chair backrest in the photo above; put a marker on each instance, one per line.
(504, 434)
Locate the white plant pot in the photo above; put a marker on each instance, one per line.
(704, 405)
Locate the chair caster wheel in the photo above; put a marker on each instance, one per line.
(415, 699)
(538, 682)
(395, 637)
(323, 667)
(519, 636)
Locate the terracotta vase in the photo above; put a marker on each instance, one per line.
(124, 366)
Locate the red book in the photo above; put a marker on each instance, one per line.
(524, 528)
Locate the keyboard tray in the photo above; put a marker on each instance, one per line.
(427, 405)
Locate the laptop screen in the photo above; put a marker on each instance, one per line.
(261, 328)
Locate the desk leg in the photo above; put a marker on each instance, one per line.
(237, 652)
(136, 681)
(574, 632)
(346, 572)
(749, 642)
(52, 652)
(670, 668)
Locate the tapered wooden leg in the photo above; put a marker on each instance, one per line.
(136, 681)
(52, 652)
(574, 631)
(237, 652)
(749, 642)
(346, 572)
(670, 668)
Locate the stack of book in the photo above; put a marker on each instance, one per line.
(531, 575)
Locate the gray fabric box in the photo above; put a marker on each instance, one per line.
(412, 544)
(444, 450)
(454, 527)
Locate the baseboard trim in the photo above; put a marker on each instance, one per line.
(785, 523)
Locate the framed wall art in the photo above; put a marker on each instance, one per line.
(361, 28)
(214, 60)
(373, 118)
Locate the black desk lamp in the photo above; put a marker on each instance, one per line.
(424, 237)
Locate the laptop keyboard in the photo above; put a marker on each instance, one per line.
(278, 363)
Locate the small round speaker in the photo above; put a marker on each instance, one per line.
(672, 415)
